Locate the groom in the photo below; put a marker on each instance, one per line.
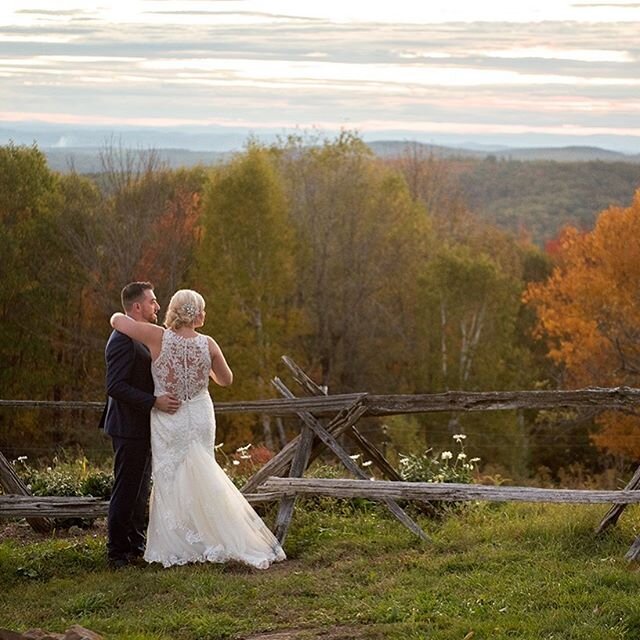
(126, 420)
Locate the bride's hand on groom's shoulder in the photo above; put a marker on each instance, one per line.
(114, 318)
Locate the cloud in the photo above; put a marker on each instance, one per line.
(49, 12)
(189, 63)
(244, 16)
(617, 5)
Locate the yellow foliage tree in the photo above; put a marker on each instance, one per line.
(589, 313)
(245, 271)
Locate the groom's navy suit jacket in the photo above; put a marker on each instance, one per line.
(129, 388)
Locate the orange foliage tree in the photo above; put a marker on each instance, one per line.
(589, 313)
(175, 234)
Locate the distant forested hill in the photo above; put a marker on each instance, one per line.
(540, 197)
(513, 188)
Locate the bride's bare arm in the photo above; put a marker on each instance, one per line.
(145, 332)
(220, 372)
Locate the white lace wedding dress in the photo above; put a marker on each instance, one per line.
(196, 513)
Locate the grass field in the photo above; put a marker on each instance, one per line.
(490, 571)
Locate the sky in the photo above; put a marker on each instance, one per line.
(519, 73)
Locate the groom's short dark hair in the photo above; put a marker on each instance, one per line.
(133, 292)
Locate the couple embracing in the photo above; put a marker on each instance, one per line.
(160, 417)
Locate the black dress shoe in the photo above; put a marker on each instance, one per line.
(136, 559)
(118, 563)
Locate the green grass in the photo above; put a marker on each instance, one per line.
(507, 571)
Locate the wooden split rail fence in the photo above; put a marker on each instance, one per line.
(323, 420)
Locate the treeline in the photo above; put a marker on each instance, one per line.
(524, 196)
(373, 274)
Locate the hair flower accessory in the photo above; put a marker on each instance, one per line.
(189, 309)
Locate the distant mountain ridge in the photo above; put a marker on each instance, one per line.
(185, 147)
(61, 137)
(86, 159)
(389, 148)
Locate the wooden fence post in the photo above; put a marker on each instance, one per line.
(611, 517)
(11, 484)
(281, 462)
(372, 452)
(330, 441)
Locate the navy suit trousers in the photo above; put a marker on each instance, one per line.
(127, 519)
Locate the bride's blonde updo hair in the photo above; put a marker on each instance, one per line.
(184, 307)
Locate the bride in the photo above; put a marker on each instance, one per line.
(196, 512)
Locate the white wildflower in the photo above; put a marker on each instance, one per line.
(459, 437)
(462, 455)
(446, 455)
(218, 446)
(245, 456)
(355, 456)
(22, 458)
(474, 460)
(236, 463)
(244, 449)
(367, 463)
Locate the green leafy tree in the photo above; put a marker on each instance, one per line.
(360, 241)
(245, 271)
(28, 199)
(31, 304)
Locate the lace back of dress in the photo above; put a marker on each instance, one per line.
(183, 366)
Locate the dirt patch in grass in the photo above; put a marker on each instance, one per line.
(325, 633)
(21, 531)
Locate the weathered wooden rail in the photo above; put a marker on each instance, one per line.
(621, 398)
(435, 491)
(275, 488)
(15, 506)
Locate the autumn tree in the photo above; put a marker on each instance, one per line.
(80, 329)
(470, 282)
(474, 304)
(245, 271)
(360, 239)
(28, 200)
(169, 256)
(36, 294)
(589, 314)
(471, 327)
(433, 182)
(143, 225)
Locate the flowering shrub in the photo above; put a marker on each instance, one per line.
(74, 478)
(66, 478)
(444, 467)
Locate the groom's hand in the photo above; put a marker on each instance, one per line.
(167, 403)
